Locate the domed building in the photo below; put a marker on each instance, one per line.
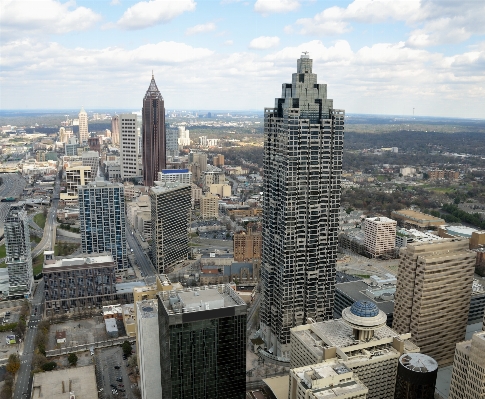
(364, 317)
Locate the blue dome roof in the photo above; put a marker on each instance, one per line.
(364, 309)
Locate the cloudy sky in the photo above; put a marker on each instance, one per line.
(377, 57)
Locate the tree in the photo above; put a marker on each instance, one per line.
(13, 364)
(72, 359)
(126, 346)
(133, 362)
(49, 366)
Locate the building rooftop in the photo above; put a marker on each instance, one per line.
(165, 187)
(382, 296)
(417, 216)
(122, 288)
(418, 362)
(58, 384)
(381, 219)
(147, 309)
(461, 231)
(79, 261)
(416, 235)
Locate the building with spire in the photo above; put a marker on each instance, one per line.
(302, 169)
(153, 121)
(83, 126)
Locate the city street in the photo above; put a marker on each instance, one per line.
(142, 260)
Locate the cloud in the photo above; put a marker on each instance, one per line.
(202, 28)
(115, 2)
(264, 42)
(41, 17)
(153, 12)
(228, 43)
(266, 7)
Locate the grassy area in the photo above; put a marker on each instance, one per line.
(3, 265)
(63, 248)
(39, 220)
(35, 239)
(362, 275)
(3, 251)
(37, 263)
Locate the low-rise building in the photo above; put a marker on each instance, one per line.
(412, 219)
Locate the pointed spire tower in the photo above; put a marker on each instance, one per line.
(154, 153)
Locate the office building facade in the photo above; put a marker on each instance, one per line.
(380, 236)
(170, 218)
(129, 129)
(17, 252)
(202, 343)
(102, 220)
(416, 376)
(153, 120)
(302, 169)
(115, 130)
(468, 376)
(209, 206)
(91, 158)
(432, 300)
(83, 127)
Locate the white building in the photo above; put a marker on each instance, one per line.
(380, 236)
(129, 145)
(183, 136)
(83, 126)
(175, 175)
(148, 348)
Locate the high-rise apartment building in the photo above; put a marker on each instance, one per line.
(115, 130)
(91, 158)
(209, 206)
(360, 341)
(302, 167)
(170, 208)
(202, 343)
(380, 236)
(154, 153)
(17, 252)
(468, 377)
(129, 136)
(102, 219)
(83, 126)
(432, 300)
(148, 345)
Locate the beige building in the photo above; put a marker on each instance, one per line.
(432, 300)
(209, 206)
(411, 219)
(83, 126)
(332, 379)
(360, 341)
(222, 190)
(196, 194)
(248, 244)
(468, 377)
(477, 239)
(218, 160)
(380, 236)
(75, 176)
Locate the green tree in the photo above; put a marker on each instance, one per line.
(72, 359)
(126, 346)
(49, 366)
(13, 364)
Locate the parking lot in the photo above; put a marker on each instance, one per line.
(108, 376)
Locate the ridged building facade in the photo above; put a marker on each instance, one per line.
(154, 146)
(18, 256)
(432, 300)
(170, 215)
(302, 171)
(83, 126)
(102, 220)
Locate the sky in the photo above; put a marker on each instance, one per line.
(377, 57)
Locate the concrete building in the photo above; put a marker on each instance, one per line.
(115, 130)
(302, 168)
(196, 194)
(83, 126)
(154, 147)
(78, 282)
(172, 137)
(102, 220)
(175, 175)
(71, 147)
(76, 176)
(148, 349)
(209, 206)
(477, 239)
(17, 252)
(333, 379)
(202, 343)
(91, 158)
(380, 236)
(112, 170)
(170, 208)
(248, 244)
(183, 137)
(468, 377)
(198, 164)
(432, 301)
(129, 128)
(416, 377)
(412, 219)
(218, 160)
(408, 236)
(361, 341)
(408, 171)
(68, 383)
(222, 190)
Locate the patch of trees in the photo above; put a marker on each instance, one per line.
(462, 216)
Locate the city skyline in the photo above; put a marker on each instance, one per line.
(395, 56)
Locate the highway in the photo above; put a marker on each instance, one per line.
(46, 242)
(142, 260)
(24, 378)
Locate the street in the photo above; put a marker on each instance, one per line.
(142, 260)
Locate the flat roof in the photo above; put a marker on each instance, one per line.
(417, 216)
(83, 261)
(147, 309)
(81, 381)
(279, 386)
(356, 290)
(122, 288)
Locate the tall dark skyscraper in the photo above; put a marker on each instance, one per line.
(302, 170)
(153, 114)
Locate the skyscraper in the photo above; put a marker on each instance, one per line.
(83, 126)
(17, 247)
(432, 300)
(115, 130)
(153, 114)
(129, 136)
(102, 219)
(302, 167)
